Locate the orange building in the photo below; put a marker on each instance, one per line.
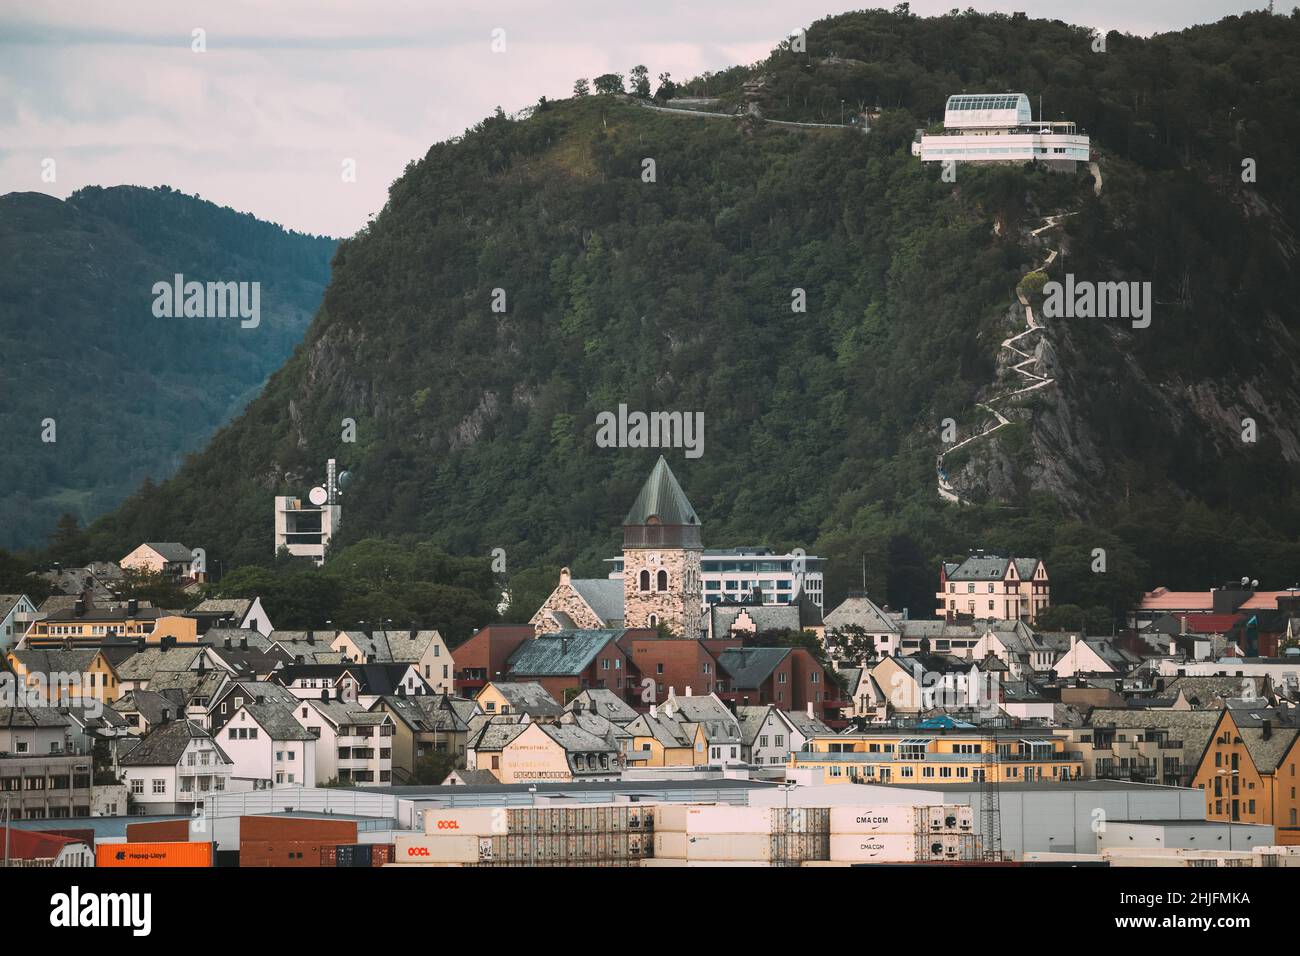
(1248, 770)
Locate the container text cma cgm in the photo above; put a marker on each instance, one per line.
(1000, 128)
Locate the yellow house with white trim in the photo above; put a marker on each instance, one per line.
(943, 755)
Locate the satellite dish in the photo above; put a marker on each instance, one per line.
(345, 479)
(317, 496)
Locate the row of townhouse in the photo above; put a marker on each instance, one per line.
(522, 733)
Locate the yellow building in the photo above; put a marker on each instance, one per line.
(517, 697)
(1248, 771)
(65, 675)
(949, 754)
(658, 741)
(532, 753)
(90, 625)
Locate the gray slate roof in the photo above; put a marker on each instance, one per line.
(163, 746)
(766, 617)
(748, 667)
(604, 702)
(604, 595)
(989, 567)
(277, 720)
(529, 697)
(559, 654)
(860, 610)
(171, 550)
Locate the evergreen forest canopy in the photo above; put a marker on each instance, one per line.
(98, 394)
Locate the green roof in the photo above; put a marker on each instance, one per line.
(662, 498)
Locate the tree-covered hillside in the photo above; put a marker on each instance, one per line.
(476, 428)
(129, 393)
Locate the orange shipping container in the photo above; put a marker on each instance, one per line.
(154, 854)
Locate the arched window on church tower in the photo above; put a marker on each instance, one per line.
(662, 583)
(654, 620)
(645, 580)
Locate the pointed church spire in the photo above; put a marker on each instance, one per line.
(661, 500)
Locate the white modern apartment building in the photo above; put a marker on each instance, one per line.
(1000, 128)
(305, 529)
(733, 573)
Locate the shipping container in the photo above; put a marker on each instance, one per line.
(467, 821)
(297, 830)
(381, 854)
(153, 854)
(873, 847)
(875, 819)
(713, 818)
(712, 846)
(438, 849)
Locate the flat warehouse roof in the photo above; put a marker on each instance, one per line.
(619, 786)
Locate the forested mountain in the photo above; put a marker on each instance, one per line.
(129, 393)
(476, 428)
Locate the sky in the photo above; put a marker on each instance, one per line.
(287, 91)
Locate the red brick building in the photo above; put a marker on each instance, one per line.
(568, 662)
(674, 663)
(483, 657)
(789, 677)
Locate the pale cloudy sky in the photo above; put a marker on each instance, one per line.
(262, 121)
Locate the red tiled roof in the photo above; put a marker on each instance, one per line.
(1212, 623)
(1162, 599)
(34, 845)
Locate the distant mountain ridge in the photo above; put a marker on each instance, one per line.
(476, 427)
(129, 394)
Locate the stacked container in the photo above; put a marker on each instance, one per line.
(902, 834)
(767, 836)
(594, 835)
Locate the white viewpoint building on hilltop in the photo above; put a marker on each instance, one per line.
(1000, 128)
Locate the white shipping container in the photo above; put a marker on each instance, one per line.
(712, 846)
(877, 819)
(873, 848)
(438, 849)
(953, 818)
(712, 818)
(467, 821)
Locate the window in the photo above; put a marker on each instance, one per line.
(645, 581)
(137, 787)
(160, 786)
(662, 583)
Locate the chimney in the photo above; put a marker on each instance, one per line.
(132, 606)
(1184, 627)
(564, 645)
(166, 715)
(297, 659)
(243, 643)
(565, 576)
(654, 711)
(688, 690)
(79, 607)
(325, 694)
(810, 710)
(311, 638)
(1267, 728)
(228, 642)
(261, 699)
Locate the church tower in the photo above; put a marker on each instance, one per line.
(661, 557)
